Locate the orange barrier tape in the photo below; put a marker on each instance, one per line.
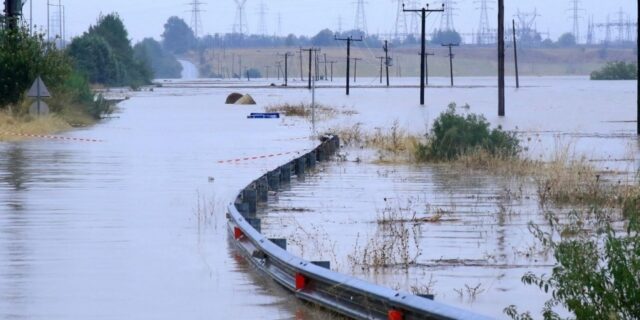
(260, 157)
(61, 138)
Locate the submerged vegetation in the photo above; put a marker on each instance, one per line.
(455, 135)
(618, 70)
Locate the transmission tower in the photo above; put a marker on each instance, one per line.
(575, 12)
(401, 28)
(240, 24)
(485, 34)
(361, 18)
(446, 21)
(262, 22)
(590, 31)
(527, 31)
(196, 20)
(414, 23)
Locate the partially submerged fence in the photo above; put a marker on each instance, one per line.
(313, 281)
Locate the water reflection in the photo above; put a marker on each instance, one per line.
(12, 166)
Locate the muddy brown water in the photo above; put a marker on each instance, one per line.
(112, 230)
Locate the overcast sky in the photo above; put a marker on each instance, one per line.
(145, 18)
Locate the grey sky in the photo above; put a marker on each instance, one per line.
(145, 18)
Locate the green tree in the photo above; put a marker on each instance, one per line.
(324, 38)
(447, 36)
(163, 63)
(567, 40)
(22, 58)
(104, 54)
(178, 38)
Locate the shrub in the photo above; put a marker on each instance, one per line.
(454, 135)
(618, 70)
(597, 274)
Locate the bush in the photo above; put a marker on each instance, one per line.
(22, 58)
(454, 135)
(618, 70)
(597, 274)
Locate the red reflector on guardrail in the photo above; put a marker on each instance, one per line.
(237, 233)
(395, 315)
(301, 281)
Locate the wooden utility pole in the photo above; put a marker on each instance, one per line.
(355, 69)
(301, 71)
(426, 65)
(423, 12)
(325, 67)
(515, 53)
(386, 58)
(348, 40)
(501, 102)
(332, 63)
(451, 58)
(286, 56)
(279, 68)
(311, 51)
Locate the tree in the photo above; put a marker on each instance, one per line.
(163, 63)
(447, 36)
(104, 54)
(567, 40)
(324, 38)
(23, 57)
(178, 38)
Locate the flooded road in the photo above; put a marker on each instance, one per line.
(112, 229)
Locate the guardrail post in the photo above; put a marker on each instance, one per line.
(263, 189)
(321, 153)
(255, 223)
(300, 164)
(322, 264)
(282, 243)
(250, 197)
(274, 180)
(285, 173)
(311, 159)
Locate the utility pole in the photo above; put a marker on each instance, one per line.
(423, 12)
(426, 65)
(355, 69)
(381, 62)
(311, 51)
(239, 67)
(501, 102)
(515, 53)
(386, 58)
(286, 67)
(301, 71)
(267, 67)
(325, 66)
(348, 40)
(451, 55)
(279, 68)
(332, 62)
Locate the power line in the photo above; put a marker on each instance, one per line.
(196, 20)
(401, 27)
(423, 11)
(575, 11)
(262, 19)
(485, 35)
(361, 18)
(348, 40)
(446, 21)
(240, 24)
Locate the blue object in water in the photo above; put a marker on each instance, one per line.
(256, 115)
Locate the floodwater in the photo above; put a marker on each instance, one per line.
(111, 229)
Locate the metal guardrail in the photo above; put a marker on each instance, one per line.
(311, 281)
